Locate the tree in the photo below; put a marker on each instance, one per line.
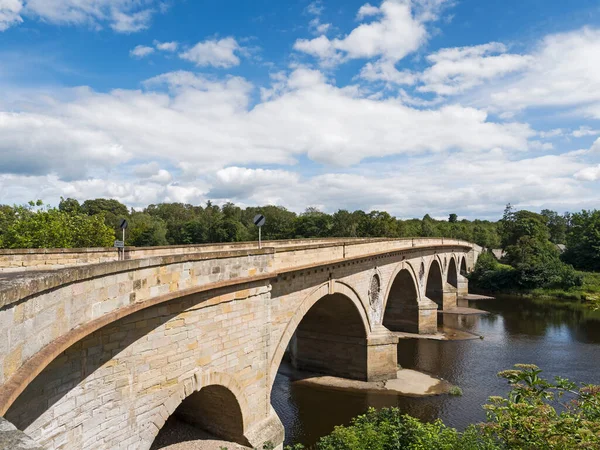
(146, 230)
(25, 227)
(583, 240)
(69, 205)
(453, 218)
(557, 225)
(428, 228)
(313, 224)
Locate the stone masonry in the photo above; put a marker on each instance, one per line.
(99, 356)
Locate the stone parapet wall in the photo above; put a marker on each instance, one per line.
(13, 260)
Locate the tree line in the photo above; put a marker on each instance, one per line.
(94, 223)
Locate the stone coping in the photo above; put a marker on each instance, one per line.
(280, 244)
(19, 286)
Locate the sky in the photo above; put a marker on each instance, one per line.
(408, 106)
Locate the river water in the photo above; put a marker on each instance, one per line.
(562, 338)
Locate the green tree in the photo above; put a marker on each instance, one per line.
(146, 230)
(583, 240)
(26, 227)
(313, 224)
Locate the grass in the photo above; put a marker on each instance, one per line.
(455, 390)
(589, 293)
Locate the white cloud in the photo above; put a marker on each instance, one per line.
(10, 13)
(242, 183)
(585, 131)
(216, 53)
(123, 16)
(166, 46)
(386, 71)
(141, 51)
(367, 10)
(316, 9)
(552, 133)
(455, 70)
(201, 125)
(589, 173)
(394, 35)
(564, 72)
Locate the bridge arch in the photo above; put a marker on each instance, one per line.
(463, 266)
(434, 288)
(317, 308)
(452, 276)
(401, 306)
(212, 401)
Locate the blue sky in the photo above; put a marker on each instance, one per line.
(412, 106)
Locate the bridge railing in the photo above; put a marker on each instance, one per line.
(13, 260)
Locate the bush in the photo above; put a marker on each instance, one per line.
(387, 429)
(528, 419)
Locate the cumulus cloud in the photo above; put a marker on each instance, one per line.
(589, 173)
(10, 13)
(455, 70)
(187, 119)
(166, 46)
(123, 16)
(221, 53)
(396, 33)
(141, 51)
(563, 71)
(585, 131)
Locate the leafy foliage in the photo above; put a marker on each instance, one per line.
(28, 227)
(539, 414)
(532, 260)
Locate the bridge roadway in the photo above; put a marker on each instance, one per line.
(97, 353)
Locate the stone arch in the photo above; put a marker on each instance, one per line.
(434, 289)
(325, 290)
(401, 311)
(463, 266)
(212, 401)
(452, 276)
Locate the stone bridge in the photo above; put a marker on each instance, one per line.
(97, 353)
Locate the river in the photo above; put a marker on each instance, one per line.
(562, 338)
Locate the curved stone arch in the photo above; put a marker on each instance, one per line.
(190, 385)
(317, 294)
(404, 265)
(438, 290)
(448, 278)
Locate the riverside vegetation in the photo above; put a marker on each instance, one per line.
(537, 414)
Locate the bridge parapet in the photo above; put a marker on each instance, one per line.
(16, 260)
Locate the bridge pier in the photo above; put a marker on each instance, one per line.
(372, 358)
(449, 297)
(463, 286)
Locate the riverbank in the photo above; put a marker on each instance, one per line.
(588, 294)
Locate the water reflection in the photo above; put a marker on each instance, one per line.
(561, 338)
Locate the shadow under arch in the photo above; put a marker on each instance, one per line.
(452, 277)
(334, 315)
(434, 289)
(463, 266)
(401, 311)
(213, 402)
